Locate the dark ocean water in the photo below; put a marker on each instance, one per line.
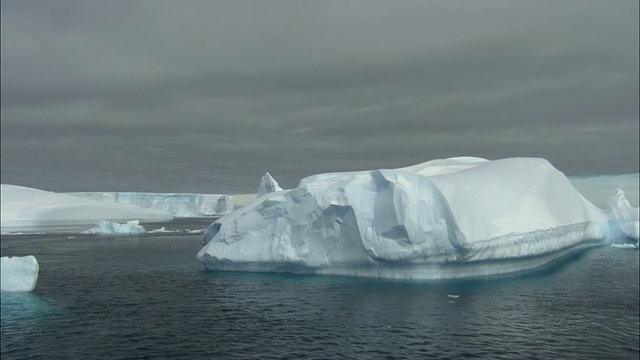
(147, 297)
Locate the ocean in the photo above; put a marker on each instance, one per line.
(147, 297)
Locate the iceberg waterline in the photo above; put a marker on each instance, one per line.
(33, 209)
(448, 218)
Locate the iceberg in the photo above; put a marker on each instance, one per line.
(625, 221)
(268, 185)
(111, 228)
(28, 209)
(442, 219)
(625, 246)
(181, 205)
(19, 273)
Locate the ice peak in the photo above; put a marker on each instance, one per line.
(268, 185)
(625, 220)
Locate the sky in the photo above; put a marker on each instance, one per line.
(207, 96)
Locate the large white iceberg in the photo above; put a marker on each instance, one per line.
(450, 218)
(179, 204)
(27, 209)
(18, 273)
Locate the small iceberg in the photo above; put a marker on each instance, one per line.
(624, 246)
(625, 221)
(110, 228)
(19, 273)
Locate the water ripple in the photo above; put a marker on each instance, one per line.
(147, 297)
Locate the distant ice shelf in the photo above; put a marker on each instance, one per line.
(181, 205)
(32, 210)
(446, 218)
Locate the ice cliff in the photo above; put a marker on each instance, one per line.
(18, 273)
(179, 204)
(450, 218)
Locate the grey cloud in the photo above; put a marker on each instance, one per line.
(298, 87)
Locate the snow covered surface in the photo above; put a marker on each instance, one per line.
(179, 204)
(111, 228)
(449, 218)
(32, 210)
(19, 273)
(268, 185)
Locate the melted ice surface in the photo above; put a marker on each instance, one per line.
(445, 218)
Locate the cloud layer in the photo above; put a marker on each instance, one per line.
(207, 96)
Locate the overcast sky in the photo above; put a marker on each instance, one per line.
(206, 96)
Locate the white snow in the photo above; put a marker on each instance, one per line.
(449, 218)
(31, 210)
(268, 185)
(131, 227)
(19, 273)
(179, 204)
